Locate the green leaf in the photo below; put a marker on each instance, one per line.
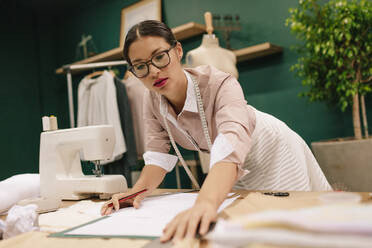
(317, 48)
(344, 105)
(348, 36)
(331, 52)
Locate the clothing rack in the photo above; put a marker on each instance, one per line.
(68, 69)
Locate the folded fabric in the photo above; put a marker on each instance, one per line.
(343, 225)
(18, 187)
(285, 238)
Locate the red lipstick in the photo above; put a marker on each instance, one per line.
(160, 82)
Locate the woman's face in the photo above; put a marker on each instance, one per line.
(164, 80)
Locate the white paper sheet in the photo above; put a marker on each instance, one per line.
(149, 220)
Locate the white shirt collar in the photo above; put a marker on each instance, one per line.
(190, 102)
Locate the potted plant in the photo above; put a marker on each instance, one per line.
(335, 65)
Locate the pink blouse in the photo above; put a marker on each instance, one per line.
(230, 120)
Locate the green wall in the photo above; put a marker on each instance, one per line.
(35, 41)
(20, 90)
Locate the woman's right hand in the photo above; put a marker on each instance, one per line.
(150, 178)
(135, 202)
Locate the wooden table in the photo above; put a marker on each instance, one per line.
(248, 202)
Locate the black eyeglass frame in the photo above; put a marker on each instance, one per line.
(131, 69)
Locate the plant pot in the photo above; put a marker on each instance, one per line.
(347, 164)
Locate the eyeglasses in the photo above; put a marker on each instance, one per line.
(159, 60)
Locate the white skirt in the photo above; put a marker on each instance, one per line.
(280, 160)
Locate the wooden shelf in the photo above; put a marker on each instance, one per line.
(181, 32)
(257, 51)
(188, 30)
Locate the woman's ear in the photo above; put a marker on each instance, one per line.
(179, 50)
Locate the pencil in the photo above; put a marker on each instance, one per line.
(128, 197)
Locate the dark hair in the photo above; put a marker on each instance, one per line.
(147, 28)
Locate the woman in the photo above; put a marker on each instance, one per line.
(204, 109)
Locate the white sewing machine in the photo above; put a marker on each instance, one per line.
(61, 176)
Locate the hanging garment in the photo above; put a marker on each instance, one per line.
(135, 90)
(97, 105)
(123, 166)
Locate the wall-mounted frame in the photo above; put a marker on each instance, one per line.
(135, 13)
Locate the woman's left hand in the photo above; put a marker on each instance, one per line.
(186, 223)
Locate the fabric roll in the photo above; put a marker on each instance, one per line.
(18, 187)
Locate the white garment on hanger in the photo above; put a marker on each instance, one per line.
(97, 105)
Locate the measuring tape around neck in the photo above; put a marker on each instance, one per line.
(204, 127)
(201, 113)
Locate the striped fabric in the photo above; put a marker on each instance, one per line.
(280, 160)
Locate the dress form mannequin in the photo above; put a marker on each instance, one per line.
(210, 53)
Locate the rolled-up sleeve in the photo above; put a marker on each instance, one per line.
(163, 160)
(235, 122)
(157, 142)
